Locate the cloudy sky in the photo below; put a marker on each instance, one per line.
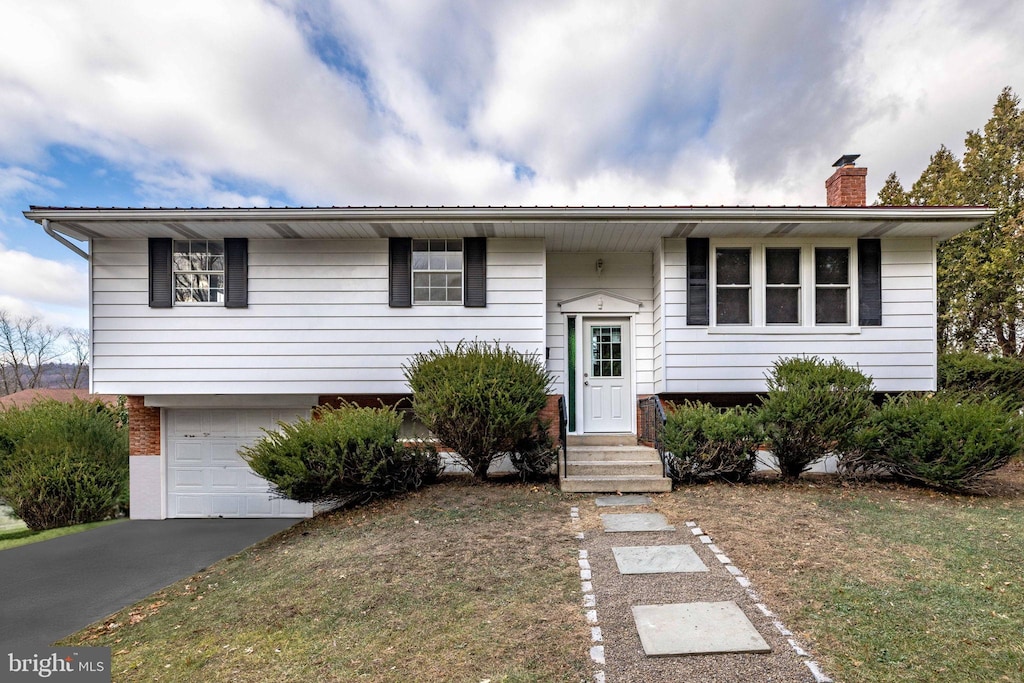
(413, 102)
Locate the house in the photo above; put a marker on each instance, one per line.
(217, 323)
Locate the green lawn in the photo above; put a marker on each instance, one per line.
(20, 535)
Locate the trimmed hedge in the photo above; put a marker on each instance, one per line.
(63, 463)
(340, 456)
(707, 443)
(479, 399)
(946, 440)
(813, 408)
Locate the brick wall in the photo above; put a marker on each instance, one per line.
(549, 414)
(143, 428)
(847, 187)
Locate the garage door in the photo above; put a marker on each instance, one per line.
(206, 477)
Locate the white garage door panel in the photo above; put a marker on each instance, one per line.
(206, 477)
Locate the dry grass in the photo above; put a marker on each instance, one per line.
(885, 582)
(462, 582)
(458, 582)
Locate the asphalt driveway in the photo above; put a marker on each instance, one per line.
(51, 589)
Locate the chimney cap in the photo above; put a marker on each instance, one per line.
(846, 160)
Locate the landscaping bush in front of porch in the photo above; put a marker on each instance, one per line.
(479, 399)
(813, 408)
(707, 443)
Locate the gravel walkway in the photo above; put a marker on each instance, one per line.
(615, 595)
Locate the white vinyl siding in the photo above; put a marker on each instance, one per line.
(899, 355)
(318, 321)
(658, 322)
(629, 275)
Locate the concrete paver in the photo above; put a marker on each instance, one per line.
(643, 521)
(625, 500)
(696, 628)
(657, 559)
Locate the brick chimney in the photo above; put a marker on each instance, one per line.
(848, 185)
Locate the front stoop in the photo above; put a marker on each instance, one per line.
(611, 463)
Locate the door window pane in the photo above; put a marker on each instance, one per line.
(606, 351)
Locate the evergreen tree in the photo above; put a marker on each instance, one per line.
(941, 182)
(981, 271)
(892, 193)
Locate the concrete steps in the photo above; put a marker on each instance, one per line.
(610, 463)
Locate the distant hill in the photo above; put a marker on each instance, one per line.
(53, 376)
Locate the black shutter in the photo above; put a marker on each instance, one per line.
(400, 272)
(161, 285)
(697, 301)
(475, 271)
(236, 273)
(869, 282)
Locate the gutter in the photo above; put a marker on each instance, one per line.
(62, 239)
(517, 214)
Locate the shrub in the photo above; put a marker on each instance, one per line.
(991, 376)
(478, 399)
(946, 440)
(813, 408)
(708, 443)
(533, 456)
(341, 455)
(49, 489)
(63, 463)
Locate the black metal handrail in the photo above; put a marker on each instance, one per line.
(652, 427)
(563, 421)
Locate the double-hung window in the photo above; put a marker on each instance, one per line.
(782, 286)
(831, 286)
(198, 271)
(437, 271)
(732, 286)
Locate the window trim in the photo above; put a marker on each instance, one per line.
(749, 287)
(851, 270)
(758, 324)
(222, 272)
(462, 271)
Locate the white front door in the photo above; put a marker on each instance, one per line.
(607, 376)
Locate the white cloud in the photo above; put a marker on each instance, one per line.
(925, 74)
(442, 102)
(40, 281)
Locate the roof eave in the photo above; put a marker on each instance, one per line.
(515, 214)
